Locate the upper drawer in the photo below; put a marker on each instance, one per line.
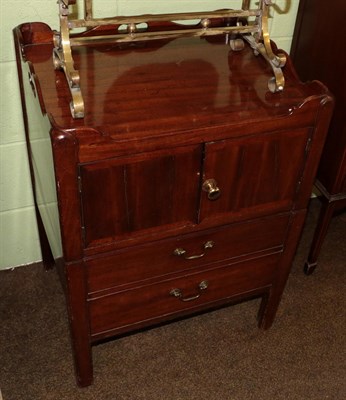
(185, 252)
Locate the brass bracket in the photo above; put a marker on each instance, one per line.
(254, 31)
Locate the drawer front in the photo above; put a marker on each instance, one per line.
(168, 257)
(144, 305)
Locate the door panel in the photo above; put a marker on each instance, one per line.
(140, 194)
(254, 174)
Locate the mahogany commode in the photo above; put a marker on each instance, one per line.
(183, 188)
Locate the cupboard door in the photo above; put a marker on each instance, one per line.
(140, 194)
(253, 176)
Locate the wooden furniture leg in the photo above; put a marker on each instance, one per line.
(324, 219)
(79, 324)
(270, 302)
(329, 207)
(47, 256)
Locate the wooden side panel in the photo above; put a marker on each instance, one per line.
(139, 194)
(255, 174)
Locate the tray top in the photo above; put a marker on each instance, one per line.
(160, 86)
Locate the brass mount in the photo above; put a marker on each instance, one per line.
(255, 32)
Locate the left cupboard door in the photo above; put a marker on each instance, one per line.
(140, 194)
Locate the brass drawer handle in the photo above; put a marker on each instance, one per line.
(179, 294)
(180, 252)
(210, 186)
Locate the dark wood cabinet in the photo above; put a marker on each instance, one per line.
(183, 188)
(318, 52)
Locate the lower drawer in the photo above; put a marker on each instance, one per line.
(148, 304)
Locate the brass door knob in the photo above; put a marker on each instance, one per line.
(210, 186)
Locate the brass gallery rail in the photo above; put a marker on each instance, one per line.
(234, 24)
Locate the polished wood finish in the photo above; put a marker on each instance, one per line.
(318, 53)
(142, 241)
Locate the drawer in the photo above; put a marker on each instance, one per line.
(147, 304)
(167, 257)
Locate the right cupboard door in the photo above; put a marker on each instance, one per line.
(252, 176)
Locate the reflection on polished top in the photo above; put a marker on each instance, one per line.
(235, 25)
(189, 83)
